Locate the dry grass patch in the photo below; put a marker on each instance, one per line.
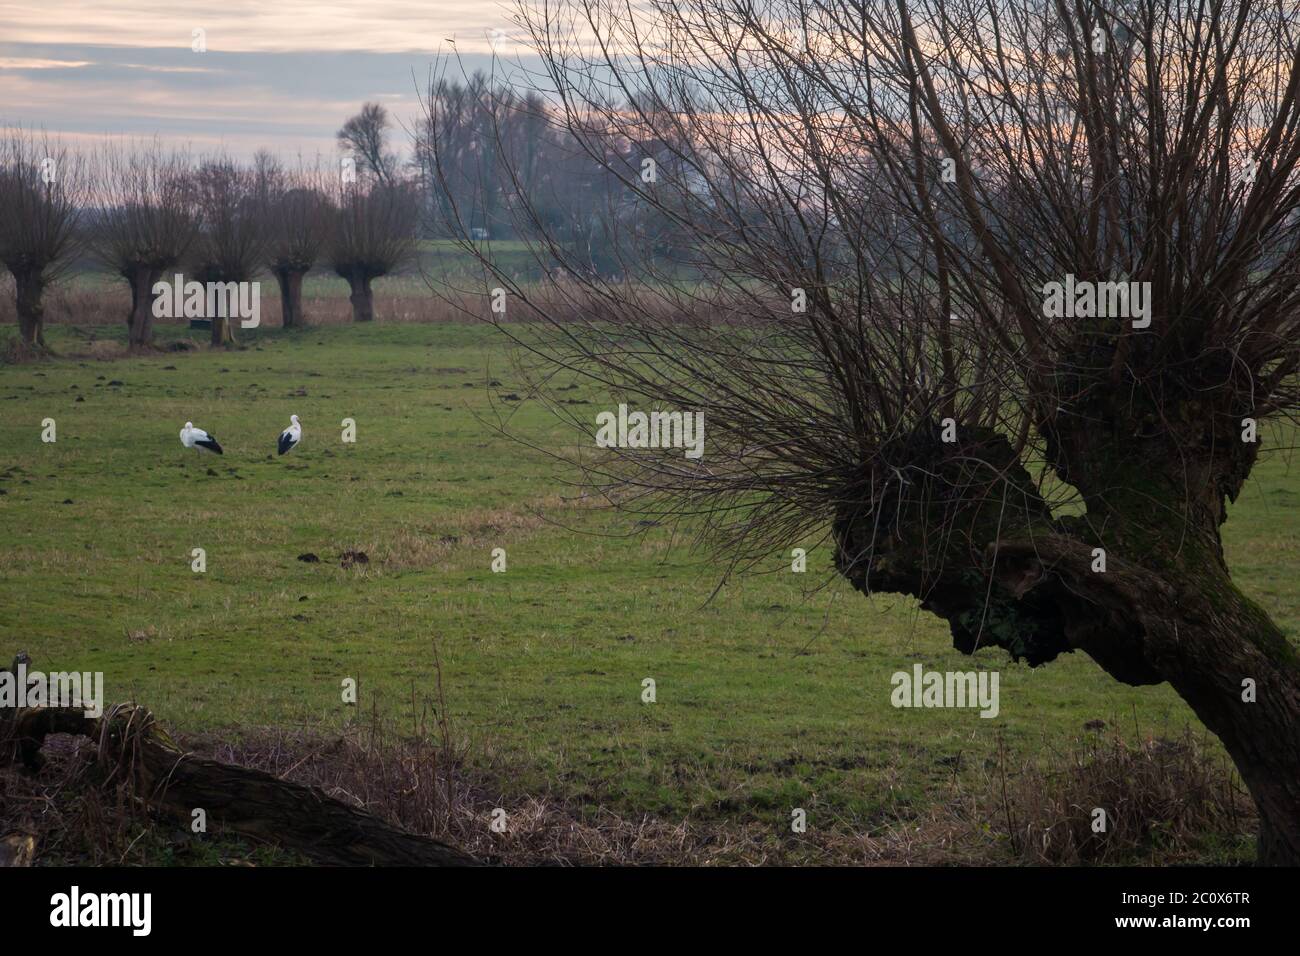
(1164, 799)
(431, 545)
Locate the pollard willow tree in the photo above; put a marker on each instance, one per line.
(298, 220)
(880, 197)
(373, 236)
(232, 242)
(43, 189)
(147, 226)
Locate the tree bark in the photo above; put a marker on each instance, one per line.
(222, 332)
(1234, 667)
(139, 320)
(362, 298)
(290, 281)
(1216, 648)
(30, 288)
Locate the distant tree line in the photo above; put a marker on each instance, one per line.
(481, 146)
(489, 162)
(143, 211)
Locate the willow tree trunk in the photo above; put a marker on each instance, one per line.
(1191, 626)
(139, 321)
(290, 281)
(362, 298)
(1139, 583)
(1237, 671)
(31, 313)
(222, 331)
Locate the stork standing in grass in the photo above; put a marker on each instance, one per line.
(197, 438)
(290, 437)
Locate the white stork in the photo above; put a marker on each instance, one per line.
(192, 437)
(290, 437)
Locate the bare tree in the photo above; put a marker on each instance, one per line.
(364, 137)
(299, 218)
(451, 137)
(890, 204)
(147, 224)
(374, 235)
(43, 189)
(468, 127)
(231, 244)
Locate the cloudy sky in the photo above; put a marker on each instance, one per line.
(283, 74)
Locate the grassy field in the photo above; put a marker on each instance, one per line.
(772, 696)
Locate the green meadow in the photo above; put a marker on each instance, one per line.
(772, 693)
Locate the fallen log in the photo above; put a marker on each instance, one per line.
(137, 751)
